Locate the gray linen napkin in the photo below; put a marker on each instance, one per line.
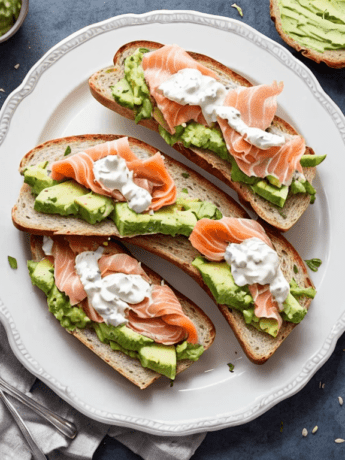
(90, 432)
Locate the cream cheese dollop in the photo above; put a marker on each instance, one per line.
(112, 172)
(191, 87)
(47, 245)
(110, 296)
(253, 261)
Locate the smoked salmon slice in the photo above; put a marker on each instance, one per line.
(211, 239)
(160, 65)
(149, 173)
(257, 105)
(160, 317)
(166, 308)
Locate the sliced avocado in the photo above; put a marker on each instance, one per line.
(159, 358)
(311, 160)
(169, 220)
(123, 94)
(293, 311)
(116, 347)
(123, 335)
(268, 325)
(186, 350)
(271, 193)
(42, 274)
(201, 209)
(60, 198)
(37, 177)
(238, 176)
(297, 186)
(274, 181)
(94, 208)
(218, 277)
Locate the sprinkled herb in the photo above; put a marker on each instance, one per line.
(67, 151)
(184, 190)
(313, 264)
(281, 427)
(13, 262)
(295, 269)
(238, 8)
(171, 383)
(185, 175)
(231, 367)
(282, 214)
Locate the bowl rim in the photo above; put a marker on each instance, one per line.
(16, 26)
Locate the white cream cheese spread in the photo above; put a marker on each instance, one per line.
(253, 261)
(113, 173)
(191, 87)
(47, 245)
(110, 295)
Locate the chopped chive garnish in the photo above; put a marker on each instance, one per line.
(185, 175)
(67, 151)
(184, 190)
(13, 262)
(231, 367)
(313, 264)
(295, 269)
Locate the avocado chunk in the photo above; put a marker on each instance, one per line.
(238, 176)
(297, 291)
(201, 209)
(42, 274)
(293, 311)
(271, 193)
(169, 220)
(186, 350)
(159, 358)
(274, 181)
(268, 325)
(311, 160)
(94, 208)
(218, 278)
(60, 199)
(37, 177)
(123, 335)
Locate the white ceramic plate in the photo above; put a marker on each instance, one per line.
(54, 101)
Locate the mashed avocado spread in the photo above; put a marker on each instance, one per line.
(9, 12)
(316, 24)
(158, 357)
(132, 92)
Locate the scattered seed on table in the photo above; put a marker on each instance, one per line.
(17, 66)
(315, 429)
(339, 440)
(304, 432)
(340, 399)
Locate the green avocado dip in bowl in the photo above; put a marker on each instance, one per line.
(12, 15)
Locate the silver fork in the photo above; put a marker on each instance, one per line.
(65, 427)
(35, 450)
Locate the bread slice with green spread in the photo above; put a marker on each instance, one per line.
(121, 348)
(122, 88)
(37, 210)
(316, 29)
(254, 335)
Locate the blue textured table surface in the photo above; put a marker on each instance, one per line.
(278, 433)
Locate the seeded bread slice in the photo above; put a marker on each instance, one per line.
(333, 58)
(258, 346)
(281, 218)
(125, 365)
(25, 217)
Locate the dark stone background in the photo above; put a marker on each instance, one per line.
(276, 434)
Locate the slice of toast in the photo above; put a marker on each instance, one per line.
(333, 58)
(281, 218)
(25, 217)
(258, 346)
(125, 365)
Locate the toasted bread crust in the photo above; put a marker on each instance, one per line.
(282, 219)
(125, 365)
(333, 58)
